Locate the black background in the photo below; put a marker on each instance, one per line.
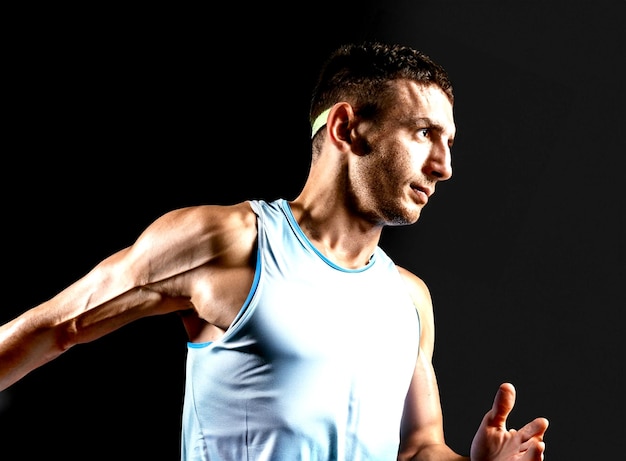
(116, 115)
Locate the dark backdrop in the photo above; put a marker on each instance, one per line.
(114, 116)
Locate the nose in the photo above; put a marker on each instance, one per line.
(439, 163)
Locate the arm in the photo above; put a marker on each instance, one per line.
(422, 437)
(148, 278)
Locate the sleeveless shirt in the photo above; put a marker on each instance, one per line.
(315, 367)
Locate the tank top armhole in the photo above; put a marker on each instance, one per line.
(243, 312)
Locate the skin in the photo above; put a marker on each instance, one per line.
(199, 262)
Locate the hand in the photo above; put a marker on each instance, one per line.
(493, 442)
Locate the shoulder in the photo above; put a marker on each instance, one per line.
(417, 287)
(420, 295)
(202, 221)
(205, 218)
(185, 238)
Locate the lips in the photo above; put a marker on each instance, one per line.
(427, 190)
(422, 193)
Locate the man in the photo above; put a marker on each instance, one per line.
(305, 340)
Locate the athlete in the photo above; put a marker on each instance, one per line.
(306, 341)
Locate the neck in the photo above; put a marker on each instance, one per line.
(345, 239)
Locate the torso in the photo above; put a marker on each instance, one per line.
(290, 363)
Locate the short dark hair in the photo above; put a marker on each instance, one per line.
(358, 73)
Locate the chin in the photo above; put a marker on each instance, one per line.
(405, 217)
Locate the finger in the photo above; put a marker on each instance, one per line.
(536, 428)
(534, 452)
(502, 404)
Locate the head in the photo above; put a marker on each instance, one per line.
(360, 73)
(392, 107)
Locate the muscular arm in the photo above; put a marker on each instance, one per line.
(422, 437)
(153, 276)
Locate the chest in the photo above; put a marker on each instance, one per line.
(315, 314)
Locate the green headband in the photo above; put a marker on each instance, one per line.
(319, 122)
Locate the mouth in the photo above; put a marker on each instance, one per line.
(422, 193)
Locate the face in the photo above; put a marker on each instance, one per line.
(402, 155)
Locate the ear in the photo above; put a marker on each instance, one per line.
(340, 123)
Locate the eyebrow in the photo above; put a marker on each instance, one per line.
(429, 122)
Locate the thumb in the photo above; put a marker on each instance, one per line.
(502, 405)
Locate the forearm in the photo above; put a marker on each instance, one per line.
(24, 348)
(45, 332)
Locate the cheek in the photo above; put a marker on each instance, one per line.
(393, 161)
(382, 174)
(387, 162)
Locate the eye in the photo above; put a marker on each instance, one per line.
(423, 132)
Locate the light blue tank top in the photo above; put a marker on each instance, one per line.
(315, 367)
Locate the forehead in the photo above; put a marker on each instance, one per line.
(412, 101)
